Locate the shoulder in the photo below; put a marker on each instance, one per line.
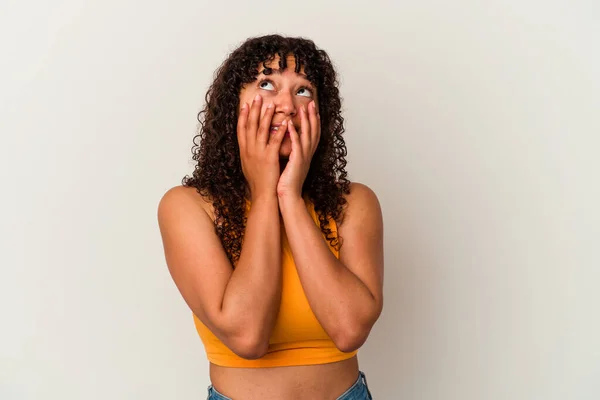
(183, 200)
(362, 203)
(359, 192)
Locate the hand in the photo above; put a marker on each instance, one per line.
(303, 149)
(259, 153)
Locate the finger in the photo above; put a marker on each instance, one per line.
(315, 126)
(304, 130)
(276, 138)
(295, 141)
(241, 125)
(253, 117)
(264, 129)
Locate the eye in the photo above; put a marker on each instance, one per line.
(305, 92)
(266, 85)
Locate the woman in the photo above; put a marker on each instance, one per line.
(277, 254)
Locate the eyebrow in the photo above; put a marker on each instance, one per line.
(278, 72)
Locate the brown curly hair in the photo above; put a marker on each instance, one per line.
(218, 172)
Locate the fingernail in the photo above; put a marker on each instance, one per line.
(312, 104)
(270, 105)
(284, 122)
(244, 106)
(257, 98)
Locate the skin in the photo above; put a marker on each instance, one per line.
(288, 91)
(240, 305)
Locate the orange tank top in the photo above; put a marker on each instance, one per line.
(297, 338)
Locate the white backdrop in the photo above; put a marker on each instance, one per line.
(476, 122)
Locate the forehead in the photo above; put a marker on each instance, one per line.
(274, 64)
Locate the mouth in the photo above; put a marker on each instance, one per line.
(275, 127)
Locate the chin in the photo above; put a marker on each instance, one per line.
(285, 149)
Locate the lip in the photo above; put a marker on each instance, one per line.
(278, 124)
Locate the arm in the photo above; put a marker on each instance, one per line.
(346, 295)
(239, 306)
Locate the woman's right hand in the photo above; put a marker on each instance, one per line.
(259, 149)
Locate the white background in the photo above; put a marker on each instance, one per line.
(476, 123)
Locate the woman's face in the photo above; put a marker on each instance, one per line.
(287, 90)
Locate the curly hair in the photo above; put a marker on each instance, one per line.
(218, 173)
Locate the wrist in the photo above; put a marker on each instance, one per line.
(263, 197)
(290, 200)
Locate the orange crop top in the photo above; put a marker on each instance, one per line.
(298, 338)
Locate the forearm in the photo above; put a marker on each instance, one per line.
(340, 300)
(253, 293)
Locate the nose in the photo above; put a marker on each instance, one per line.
(285, 103)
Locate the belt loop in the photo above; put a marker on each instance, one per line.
(364, 379)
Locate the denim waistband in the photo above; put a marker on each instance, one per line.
(359, 390)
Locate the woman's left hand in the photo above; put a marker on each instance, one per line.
(304, 146)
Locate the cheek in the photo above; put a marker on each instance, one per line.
(246, 96)
(305, 101)
(245, 99)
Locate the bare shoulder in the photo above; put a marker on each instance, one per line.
(183, 199)
(362, 206)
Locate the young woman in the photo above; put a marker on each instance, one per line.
(277, 254)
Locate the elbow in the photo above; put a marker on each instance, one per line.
(351, 335)
(351, 339)
(249, 347)
(251, 352)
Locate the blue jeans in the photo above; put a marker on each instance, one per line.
(358, 391)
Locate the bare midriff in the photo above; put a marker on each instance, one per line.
(306, 382)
